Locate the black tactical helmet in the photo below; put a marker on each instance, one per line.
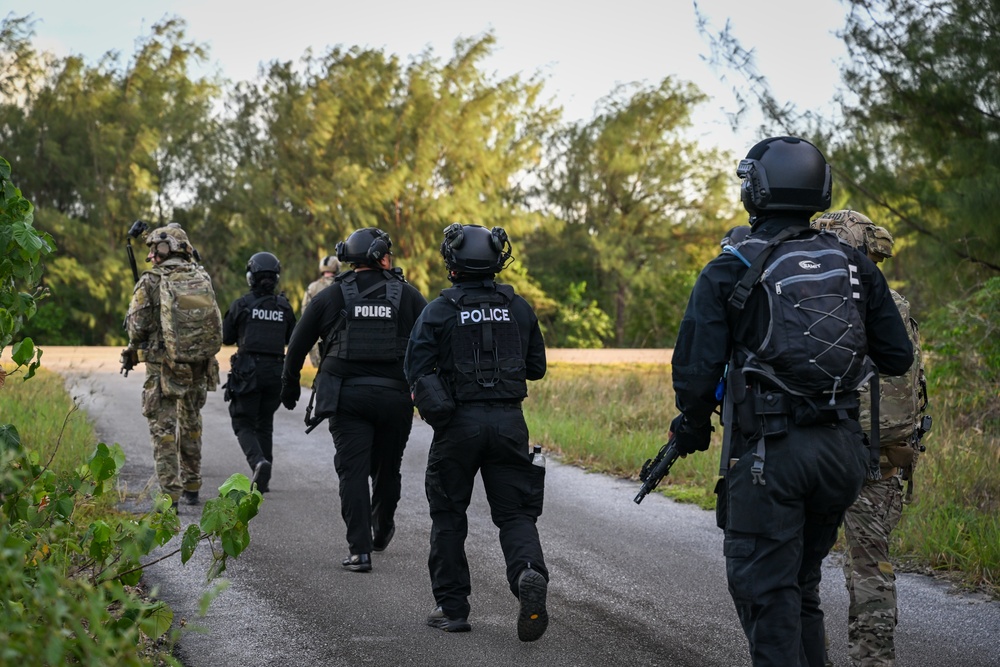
(784, 174)
(263, 266)
(475, 249)
(365, 246)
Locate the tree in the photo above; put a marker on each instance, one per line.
(644, 208)
(354, 139)
(99, 147)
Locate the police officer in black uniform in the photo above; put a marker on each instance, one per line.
(363, 321)
(259, 323)
(470, 354)
(781, 523)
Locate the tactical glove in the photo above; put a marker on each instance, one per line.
(690, 439)
(290, 392)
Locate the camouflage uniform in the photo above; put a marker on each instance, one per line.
(328, 267)
(173, 394)
(868, 523)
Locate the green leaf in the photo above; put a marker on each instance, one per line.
(10, 439)
(218, 515)
(23, 351)
(192, 536)
(156, 620)
(237, 481)
(235, 541)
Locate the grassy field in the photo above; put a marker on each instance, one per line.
(611, 418)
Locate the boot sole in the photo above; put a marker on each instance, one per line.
(533, 618)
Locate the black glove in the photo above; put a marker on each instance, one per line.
(290, 392)
(690, 439)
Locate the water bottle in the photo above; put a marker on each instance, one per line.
(536, 456)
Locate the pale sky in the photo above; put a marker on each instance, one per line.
(582, 50)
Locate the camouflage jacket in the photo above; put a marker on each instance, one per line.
(143, 324)
(315, 287)
(900, 402)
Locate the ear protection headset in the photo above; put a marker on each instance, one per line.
(454, 239)
(379, 247)
(350, 252)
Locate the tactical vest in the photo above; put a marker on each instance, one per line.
(264, 329)
(369, 327)
(486, 347)
(815, 344)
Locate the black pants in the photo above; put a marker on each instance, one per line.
(492, 440)
(252, 413)
(778, 533)
(370, 431)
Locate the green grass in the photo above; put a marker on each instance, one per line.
(611, 418)
(49, 423)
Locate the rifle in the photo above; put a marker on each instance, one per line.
(129, 356)
(654, 470)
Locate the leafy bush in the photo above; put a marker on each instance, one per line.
(69, 586)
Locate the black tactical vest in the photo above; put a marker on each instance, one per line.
(265, 325)
(369, 329)
(486, 347)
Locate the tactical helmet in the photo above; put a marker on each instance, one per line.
(169, 240)
(784, 174)
(475, 249)
(329, 264)
(263, 267)
(853, 228)
(365, 246)
(881, 246)
(735, 235)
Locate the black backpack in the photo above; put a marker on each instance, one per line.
(815, 344)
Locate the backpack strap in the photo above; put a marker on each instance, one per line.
(741, 292)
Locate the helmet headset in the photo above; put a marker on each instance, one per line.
(364, 247)
(475, 249)
(260, 267)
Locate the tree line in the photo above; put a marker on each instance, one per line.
(611, 218)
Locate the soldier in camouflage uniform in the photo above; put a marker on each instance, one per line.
(173, 393)
(329, 267)
(871, 582)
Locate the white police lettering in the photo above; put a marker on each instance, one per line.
(269, 315)
(481, 315)
(368, 311)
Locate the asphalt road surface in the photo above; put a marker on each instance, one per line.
(630, 584)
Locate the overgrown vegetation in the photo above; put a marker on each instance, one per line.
(69, 563)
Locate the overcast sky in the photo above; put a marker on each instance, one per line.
(582, 50)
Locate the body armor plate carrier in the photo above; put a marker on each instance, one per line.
(486, 346)
(370, 329)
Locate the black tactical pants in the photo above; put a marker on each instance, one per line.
(778, 533)
(492, 440)
(252, 413)
(370, 431)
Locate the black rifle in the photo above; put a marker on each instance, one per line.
(654, 470)
(129, 356)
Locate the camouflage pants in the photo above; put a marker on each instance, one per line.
(871, 582)
(174, 415)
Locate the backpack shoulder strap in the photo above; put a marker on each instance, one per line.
(741, 292)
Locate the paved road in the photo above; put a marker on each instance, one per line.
(631, 585)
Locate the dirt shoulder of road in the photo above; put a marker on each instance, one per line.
(93, 357)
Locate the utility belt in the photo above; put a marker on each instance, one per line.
(509, 404)
(372, 381)
(760, 410)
